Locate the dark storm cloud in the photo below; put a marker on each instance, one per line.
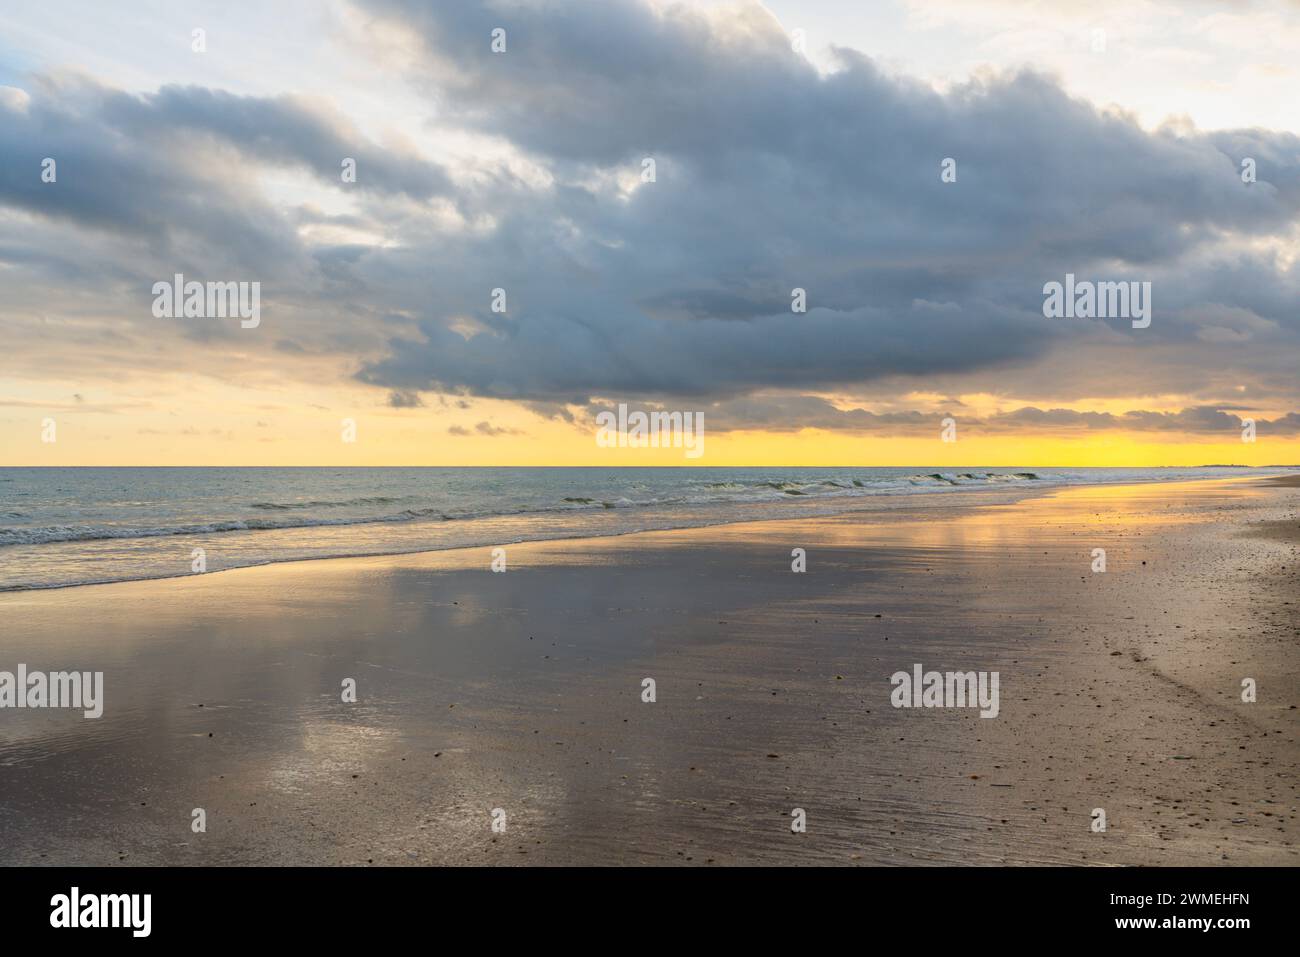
(591, 81)
(771, 176)
(144, 167)
(582, 354)
(111, 182)
(609, 81)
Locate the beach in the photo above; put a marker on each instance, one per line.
(522, 691)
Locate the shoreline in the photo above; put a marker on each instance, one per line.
(522, 691)
(995, 496)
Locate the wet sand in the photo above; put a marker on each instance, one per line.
(522, 691)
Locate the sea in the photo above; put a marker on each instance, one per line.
(76, 526)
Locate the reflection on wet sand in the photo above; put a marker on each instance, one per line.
(522, 691)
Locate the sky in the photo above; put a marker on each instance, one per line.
(503, 266)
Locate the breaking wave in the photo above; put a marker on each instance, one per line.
(691, 494)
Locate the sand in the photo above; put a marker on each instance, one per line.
(523, 691)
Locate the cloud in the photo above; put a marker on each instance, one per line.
(791, 413)
(280, 130)
(771, 175)
(114, 182)
(1201, 420)
(176, 175)
(404, 400)
(484, 428)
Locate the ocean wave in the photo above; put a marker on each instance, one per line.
(48, 534)
(713, 493)
(341, 503)
(442, 510)
(51, 534)
(972, 478)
